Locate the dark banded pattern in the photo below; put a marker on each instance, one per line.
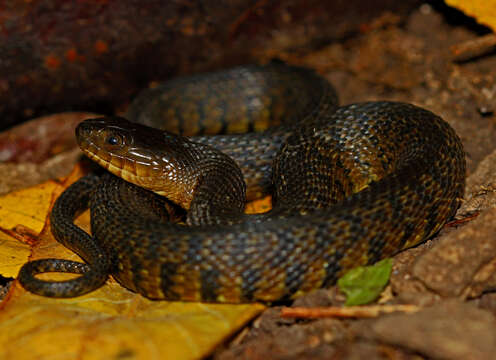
(350, 186)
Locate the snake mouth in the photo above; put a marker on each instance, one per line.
(132, 153)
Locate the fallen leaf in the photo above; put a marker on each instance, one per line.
(484, 11)
(114, 323)
(364, 284)
(259, 206)
(27, 208)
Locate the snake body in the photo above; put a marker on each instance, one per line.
(350, 186)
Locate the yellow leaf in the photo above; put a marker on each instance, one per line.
(259, 206)
(111, 322)
(22, 216)
(13, 254)
(484, 11)
(27, 207)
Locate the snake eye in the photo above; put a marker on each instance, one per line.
(113, 140)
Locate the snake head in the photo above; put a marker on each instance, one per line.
(153, 159)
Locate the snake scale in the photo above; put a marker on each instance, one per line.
(350, 185)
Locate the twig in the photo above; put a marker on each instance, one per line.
(471, 49)
(346, 312)
(463, 220)
(22, 233)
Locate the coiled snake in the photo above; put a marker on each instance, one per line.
(350, 186)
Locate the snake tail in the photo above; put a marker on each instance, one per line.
(94, 273)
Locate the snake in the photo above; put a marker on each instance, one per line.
(350, 185)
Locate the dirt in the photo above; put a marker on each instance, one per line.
(449, 277)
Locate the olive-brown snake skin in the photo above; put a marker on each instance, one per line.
(350, 186)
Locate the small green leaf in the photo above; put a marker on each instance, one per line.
(364, 284)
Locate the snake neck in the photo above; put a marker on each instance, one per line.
(220, 192)
(195, 176)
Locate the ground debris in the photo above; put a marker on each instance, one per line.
(472, 49)
(449, 330)
(370, 311)
(463, 264)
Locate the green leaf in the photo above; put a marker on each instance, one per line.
(364, 284)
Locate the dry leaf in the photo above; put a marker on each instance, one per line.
(484, 11)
